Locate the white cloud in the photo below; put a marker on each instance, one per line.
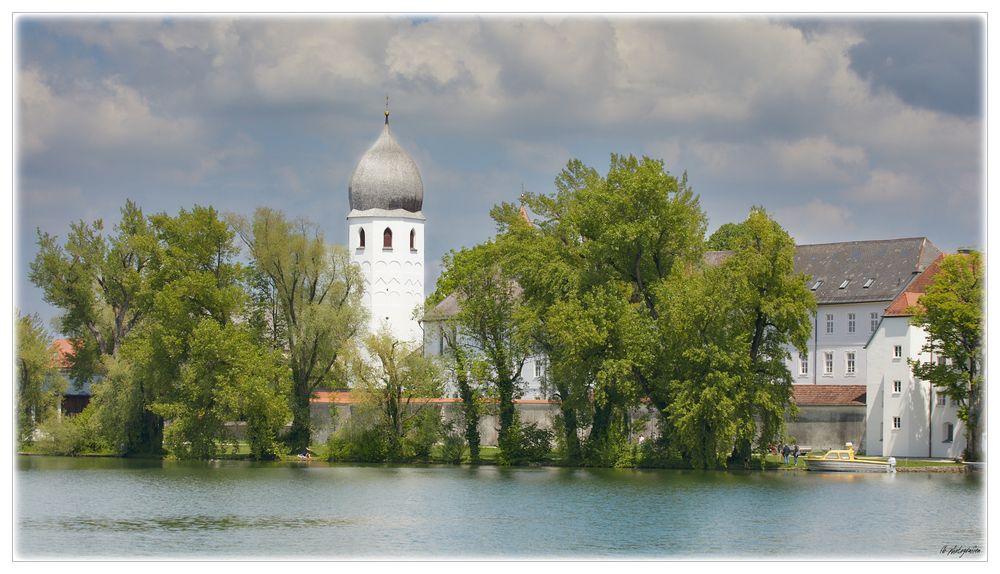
(816, 222)
(887, 186)
(107, 115)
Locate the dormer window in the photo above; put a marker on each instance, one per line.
(868, 282)
(816, 285)
(844, 284)
(387, 239)
(361, 238)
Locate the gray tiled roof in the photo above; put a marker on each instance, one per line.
(892, 263)
(446, 308)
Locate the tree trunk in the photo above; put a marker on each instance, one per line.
(149, 441)
(299, 435)
(570, 426)
(470, 412)
(505, 441)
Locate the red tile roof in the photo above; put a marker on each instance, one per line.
(911, 296)
(829, 395)
(63, 349)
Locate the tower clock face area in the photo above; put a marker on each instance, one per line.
(386, 235)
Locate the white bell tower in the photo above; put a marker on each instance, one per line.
(386, 235)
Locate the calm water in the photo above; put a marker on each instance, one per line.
(111, 508)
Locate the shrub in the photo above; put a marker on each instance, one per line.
(453, 448)
(69, 435)
(424, 430)
(358, 441)
(527, 444)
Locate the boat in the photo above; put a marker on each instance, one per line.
(843, 460)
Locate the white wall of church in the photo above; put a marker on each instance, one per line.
(394, 276)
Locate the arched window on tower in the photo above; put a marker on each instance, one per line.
(387, 238)
(413, 239)
(361, 238)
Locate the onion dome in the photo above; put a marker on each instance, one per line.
(386, 177)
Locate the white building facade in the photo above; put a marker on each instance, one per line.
(907, 416)
(386, 236)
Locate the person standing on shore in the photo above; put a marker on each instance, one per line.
(785, 451)
(795, 454)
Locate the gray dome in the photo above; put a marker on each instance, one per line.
(386, 178)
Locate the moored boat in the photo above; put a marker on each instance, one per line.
(844, 461)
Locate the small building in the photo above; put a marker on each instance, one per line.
(829, 416)
(77, 394)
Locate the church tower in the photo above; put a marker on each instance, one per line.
(386, 235)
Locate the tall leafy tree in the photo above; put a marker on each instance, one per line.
(732, 324)
(318, 293)
(602, 249)
(951, 312)
(493, 327)
(39, 382)
(100, 282)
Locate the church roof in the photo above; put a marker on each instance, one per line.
(386, 178)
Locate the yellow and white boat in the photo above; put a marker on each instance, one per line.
(844, 461)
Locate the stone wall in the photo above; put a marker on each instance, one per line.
(826, 427)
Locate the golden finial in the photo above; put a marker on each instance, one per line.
(387, 109)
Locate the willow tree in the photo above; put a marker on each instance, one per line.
(592, 267)
(733, 323)
(318, 292)
(100, 282)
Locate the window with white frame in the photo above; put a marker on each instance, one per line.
(829, 322)
(828, 363)
(941, 400)
(850, 362)
(897, 352)
(942, 361)
(539, 368)
(850, 322)
(803, 364)
(897, 423)
(897, 387)
(873, 317)
(949, 432)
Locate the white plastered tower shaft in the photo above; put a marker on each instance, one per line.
(386, 236)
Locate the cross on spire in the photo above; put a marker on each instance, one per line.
(387, 109)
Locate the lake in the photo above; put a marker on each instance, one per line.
(116, 508)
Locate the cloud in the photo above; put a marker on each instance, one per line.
(934, 64)
(887, 186)
(816, 222)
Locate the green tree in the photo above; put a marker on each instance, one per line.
(39, 383)
(318, 293)
(99, 282)
(951, 313)
(192, 279)
(460, 369)
(396, 378)
(602, 248)
(732, 324)
(491, 327)
(226, 377)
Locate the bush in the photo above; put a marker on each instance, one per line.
(527, 444)
(424, 430)
(453, 448)
(69, 435)
(358, 441)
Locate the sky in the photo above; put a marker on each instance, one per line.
(843, 128)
